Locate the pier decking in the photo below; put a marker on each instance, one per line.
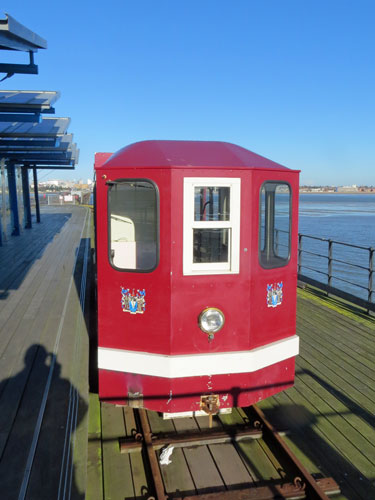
(329, 416)
(45, 424)
(44, 358)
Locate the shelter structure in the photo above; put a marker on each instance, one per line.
(28, 140)
(15, 36)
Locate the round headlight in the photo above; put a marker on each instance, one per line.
(211, 320)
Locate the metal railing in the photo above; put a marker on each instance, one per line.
(342, 269)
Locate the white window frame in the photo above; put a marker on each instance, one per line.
(233, 224)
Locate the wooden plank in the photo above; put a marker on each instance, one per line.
(21, 252)
(280, 418)
(255, 458)
(358, 353)
(305, 432)
(31, 299)
(205, 474)
(117, 470)
(357, 374)
(136, 460)
(176, 475)
(289, 417)
(351, 353)
(30, 333)
(26, 259)
(349, 331)
(230, 465)
(47, 460)
(325, 404)
(72, 357)
(337, 376)
(94, 490)
(363, 324)
(15, 455)
(227, 456)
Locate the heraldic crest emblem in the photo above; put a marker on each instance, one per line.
(133, 301)
(274, 294)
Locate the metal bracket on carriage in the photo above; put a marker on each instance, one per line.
(135, 400)
(211, 405)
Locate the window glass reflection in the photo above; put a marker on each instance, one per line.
(211, 203)
(210, 245)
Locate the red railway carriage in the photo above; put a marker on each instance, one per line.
(197, 272)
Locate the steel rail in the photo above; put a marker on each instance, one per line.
(308, 483)
(154, 465)
(303, 485)
(334, 241)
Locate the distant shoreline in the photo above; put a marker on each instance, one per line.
(337, 192)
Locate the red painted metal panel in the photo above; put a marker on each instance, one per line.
(271, 324)
(174, 301)
(177, 395)
(175, 154)
(150, 331)
(228, 292)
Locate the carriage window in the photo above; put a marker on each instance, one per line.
(133, 228)
(211, 225)
(275, 214)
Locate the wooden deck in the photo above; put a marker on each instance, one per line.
(44, 325)
(329, 414)
(44, 358)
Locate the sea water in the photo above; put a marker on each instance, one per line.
(349, 218)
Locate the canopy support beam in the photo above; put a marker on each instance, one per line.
(26, 197)
(36, 194)
(13, 200)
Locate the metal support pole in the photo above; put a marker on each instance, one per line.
(299, 253)
(3, 201)
(36, 194)
(330, 258)
(26, 197)
(370, 276)
(13, 200)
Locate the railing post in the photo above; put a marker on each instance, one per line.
(299, 252)
(330, 259)
(370, 276)
(276, 241)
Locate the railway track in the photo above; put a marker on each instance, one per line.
(294, 479)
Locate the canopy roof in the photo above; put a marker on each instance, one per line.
(188, 154)
(26, 105)
(48, 127)
(42, 145)
(25, 137)
(15, 36)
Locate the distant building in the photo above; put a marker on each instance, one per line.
(348, 189)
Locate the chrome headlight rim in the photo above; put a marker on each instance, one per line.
(211, 332)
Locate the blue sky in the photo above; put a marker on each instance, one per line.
(292, 80)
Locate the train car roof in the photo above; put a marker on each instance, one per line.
(184, 154)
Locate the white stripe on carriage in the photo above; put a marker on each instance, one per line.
(196, 365)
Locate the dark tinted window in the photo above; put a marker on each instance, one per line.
(275, 214)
